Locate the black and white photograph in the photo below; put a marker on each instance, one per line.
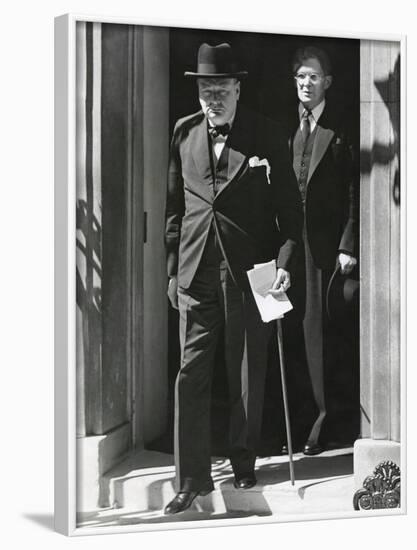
(237, 276)
(208, 277)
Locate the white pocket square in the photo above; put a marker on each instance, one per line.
(255, 161)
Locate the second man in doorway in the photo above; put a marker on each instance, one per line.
(324, 164)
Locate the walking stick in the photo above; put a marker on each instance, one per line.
(285, 399)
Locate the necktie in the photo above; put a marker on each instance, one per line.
(305, 124)
(222, 130)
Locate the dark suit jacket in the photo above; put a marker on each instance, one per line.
(332, 190)
(246, 209)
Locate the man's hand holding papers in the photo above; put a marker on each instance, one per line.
(282, 282)
(268, 288)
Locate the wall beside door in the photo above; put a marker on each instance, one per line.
(381, 404)
(122, 145)
(103, 422)
(155, 157)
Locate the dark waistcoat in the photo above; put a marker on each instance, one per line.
(302, 158)
(219, 168)
(212, 255)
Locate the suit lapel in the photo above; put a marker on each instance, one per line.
(236, 159)
(321, 142)
(238, 145)
(201, 157)
(324, 135)
(201, 152)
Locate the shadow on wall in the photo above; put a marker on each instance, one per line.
(383, 154)
(88, 290)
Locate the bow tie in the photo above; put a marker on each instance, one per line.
(216, 131)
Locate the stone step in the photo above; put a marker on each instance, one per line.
(137, 490)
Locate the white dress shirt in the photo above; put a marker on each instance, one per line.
(219, 141)
(315, 114)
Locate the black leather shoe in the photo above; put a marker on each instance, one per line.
(311, 449)
(183, 500)
(245, 482)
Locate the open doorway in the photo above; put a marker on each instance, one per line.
(270, 91)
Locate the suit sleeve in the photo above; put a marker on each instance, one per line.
(350, 177)
(289, 208)
(174, 205)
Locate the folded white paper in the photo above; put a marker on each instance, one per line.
(261, 279)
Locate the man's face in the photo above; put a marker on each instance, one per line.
(311, 83)
(218, 98)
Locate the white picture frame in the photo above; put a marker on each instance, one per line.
(65, 282)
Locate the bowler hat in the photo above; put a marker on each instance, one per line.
(342, 298)
(216, 61)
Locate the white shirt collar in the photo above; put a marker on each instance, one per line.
(315, 113)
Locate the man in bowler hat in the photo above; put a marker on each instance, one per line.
(232, 202)
(323, 158)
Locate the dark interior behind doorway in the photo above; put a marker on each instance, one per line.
(269, 89)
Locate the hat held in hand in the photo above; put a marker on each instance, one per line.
(342, 298)
(216, 62)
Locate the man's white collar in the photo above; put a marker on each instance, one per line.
(316, 112)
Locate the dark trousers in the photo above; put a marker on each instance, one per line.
(316, 336)
(212, 306)
(309, 342)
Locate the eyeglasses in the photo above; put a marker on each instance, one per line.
(314, 77)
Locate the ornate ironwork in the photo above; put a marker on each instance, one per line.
(380, 490)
